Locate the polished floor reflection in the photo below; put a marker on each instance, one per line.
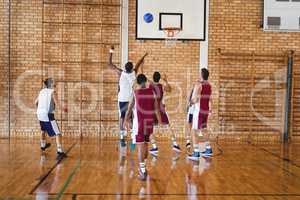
(99, 169)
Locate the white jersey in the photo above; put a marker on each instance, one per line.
(125, 86)
(44, 104)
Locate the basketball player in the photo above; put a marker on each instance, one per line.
(126, 80)
(159, 90)
(45, 103)
(200, 117)
(144, 107)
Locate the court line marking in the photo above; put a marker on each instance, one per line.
(180, 194)
(275, 155)
(279, 157)
(45, 176)
(68, 181)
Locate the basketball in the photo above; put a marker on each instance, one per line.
(148, 18)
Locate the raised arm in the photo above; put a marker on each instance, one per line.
(167, 86)
(54, 98)
(36, 102)
(139, 63)
(110, 63)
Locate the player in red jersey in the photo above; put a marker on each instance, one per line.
(202, 101)
(144, 108)
(159, 90)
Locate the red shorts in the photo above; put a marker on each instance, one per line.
(140, 138)
(142, 129)
(200, 120)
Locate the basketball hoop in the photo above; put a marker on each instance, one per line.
(170, 33)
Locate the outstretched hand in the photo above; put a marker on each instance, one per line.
(112, 48)
(164, 77)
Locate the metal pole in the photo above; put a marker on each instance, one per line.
(288, 97)
(9, 65)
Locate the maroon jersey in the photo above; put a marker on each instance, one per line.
(143, 114)
(201, 117)
(205, 94)
(159, 92)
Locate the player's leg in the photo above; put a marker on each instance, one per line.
(195, 137)
(206, 150)
(44, 144)
(165, 121)
(154, 149)
(123, 106)
(175, 146)
(189, 131)
(196, 149)
(207, 147)
(141, 158)
(59, 144)
(53, 130)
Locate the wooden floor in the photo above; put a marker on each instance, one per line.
(97, 169)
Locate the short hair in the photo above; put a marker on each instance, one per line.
(128, 67)
(204, 73)
(156, 77)
(48, 82)
(141, 79)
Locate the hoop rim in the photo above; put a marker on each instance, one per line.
(171, 29)
(171, 32)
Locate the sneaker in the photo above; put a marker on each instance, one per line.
(154, 151)
(195, 156)
(123, 142)
(176, 148)
(142, 175)
(61, 155)
(207, 153)
(46, 146)
(188, 145)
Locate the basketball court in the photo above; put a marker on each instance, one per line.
(149, 99)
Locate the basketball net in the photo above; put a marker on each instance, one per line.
(170, 33)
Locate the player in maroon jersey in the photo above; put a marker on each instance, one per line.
(145, 110)
(202, 101)
(159, 90)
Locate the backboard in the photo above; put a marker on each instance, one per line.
(153, 16)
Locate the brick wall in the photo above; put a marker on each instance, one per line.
(235, 27)
(4, 68)
(76, 64)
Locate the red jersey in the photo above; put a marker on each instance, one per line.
(205, 94)
(144, 108)
(159, 92)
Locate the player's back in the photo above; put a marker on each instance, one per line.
(158, 90)
(144, 103)
(205, 95)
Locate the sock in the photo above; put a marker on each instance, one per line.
(60, 149)
(153, 143)
(143, 167)
(188, 141)
(43, 143)
(121, 134)
(174, 141)
(202, 147)
(207, 145)
(196, 148)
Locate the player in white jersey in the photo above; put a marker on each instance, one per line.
(127, 78)
(45, 103)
